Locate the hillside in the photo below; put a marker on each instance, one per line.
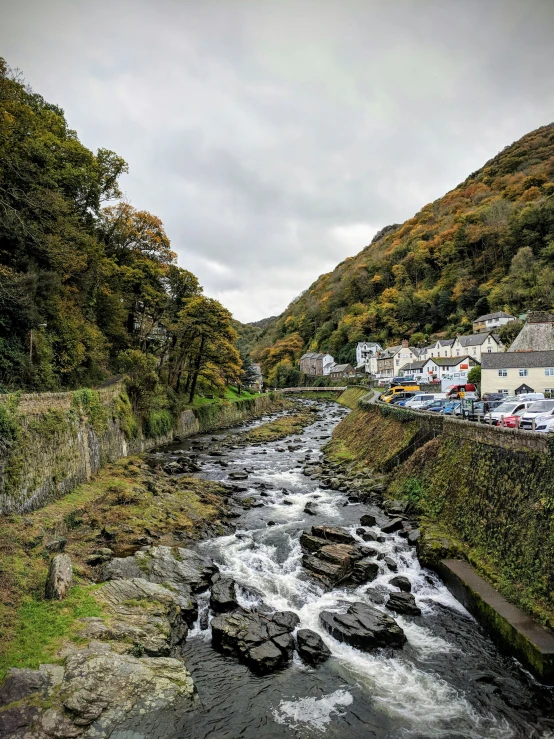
(486, 245)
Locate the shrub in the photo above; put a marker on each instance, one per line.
(158, 423)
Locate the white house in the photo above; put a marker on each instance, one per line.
(441, 348)
(476, 345)
(492, 321)
(366, 349)
(393, 358)
(454, 368)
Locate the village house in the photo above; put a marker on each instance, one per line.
(528, 365)
(475, 345)
(441, 348)
(366, 350)
(492, 321)
(455, 368)
(393, 358)
(315, 363)
(342, 370)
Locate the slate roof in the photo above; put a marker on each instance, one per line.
(474, 339)
(446, 342)
(420, 364)
(492, 316)
(451, 361)
(510, 360)
(340, 367)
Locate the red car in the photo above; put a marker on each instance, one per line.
(510, 422)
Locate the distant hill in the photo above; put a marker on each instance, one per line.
(263, 322)
(486, 245)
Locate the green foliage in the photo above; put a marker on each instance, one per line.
(487, 245)
(398, 414)
(158, 423)
(474, 375)
(44, 624)
(127, 420)
(88, 403)
(10, 424)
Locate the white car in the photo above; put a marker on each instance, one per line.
(545, 425)
(420, 399)
(508, 408)
(538, 411)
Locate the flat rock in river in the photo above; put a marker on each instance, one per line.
(363, 627)
(311, 647)
(334, 534)
(403, 603)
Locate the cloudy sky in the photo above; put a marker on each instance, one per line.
(274, 138)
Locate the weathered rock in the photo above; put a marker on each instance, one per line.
(183, 568)
(60, 577)
(403, 603)
(223, 596)
(311, 647)
(310, 508)
(414, 536)
(370, 536)
(239, 475)
(334, 534)
(368, 520)
(364, 571)
(57, 545)
(340, 554)
(255, 639)
(286, 619)
(391, 526)
(401, 582)
(391, 564)
(311, 543)
(363, 627)
(327, 573)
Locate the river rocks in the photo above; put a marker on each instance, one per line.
(223, 596)
(238, 475)
(401, 582)
(286, 619)
(413, 537)
(262, 642)
(311, 647)
(391, 526)
(311, 543)
(60, 577)
(403, 603)
(100, 693)
(363, 627)
(364, 571)
(310, 508)
(368, 520)
(182, 567)
(391, 564)
(334, 534)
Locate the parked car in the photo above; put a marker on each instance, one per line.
(450, 408)
(420, 399)
(389, 394)
(402, 381)
(494, 397)
(401, 398)
(545, 425)
(508, 408)
(455, 390)
(512, 422)
(434, 406)
(480, 408)
(541, 409)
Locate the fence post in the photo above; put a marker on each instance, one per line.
(532, 424)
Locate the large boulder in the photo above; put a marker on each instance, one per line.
(363, 627)
(403, 603)
(183, 568)
(262, 642)
(333, 534)
(60, 577)
(311, 647)
(311, 543)
(365, 570)
(223, 596)
(102, 693)
(394, 524)
(401, 582)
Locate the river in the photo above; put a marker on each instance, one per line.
(448, 681)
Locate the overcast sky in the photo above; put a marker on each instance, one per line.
(275, 138)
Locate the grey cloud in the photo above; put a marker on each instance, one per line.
(275, 138)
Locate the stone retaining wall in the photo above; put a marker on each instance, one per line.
(61, 449)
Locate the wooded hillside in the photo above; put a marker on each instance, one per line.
(487, 245)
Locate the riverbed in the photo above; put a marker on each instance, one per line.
(449, 680)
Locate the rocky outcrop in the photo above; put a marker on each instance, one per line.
(223, 596)
(403, 603)
(401, 582)
(97, 691)
(311, 647)
(333, 556)
(262, 642)
(60, 577)
(363, 627)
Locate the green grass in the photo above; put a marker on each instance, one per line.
(231, 394)
(44, 624)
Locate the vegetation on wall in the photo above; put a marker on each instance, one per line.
(88, 284)
(487, 245)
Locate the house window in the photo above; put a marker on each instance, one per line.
(523, 373)
(489, 350)
(489, 340)
(457, 352)
(502, 390)
(474, 351)
(502, 373)
(549, 371)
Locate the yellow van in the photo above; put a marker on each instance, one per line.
(389, 394)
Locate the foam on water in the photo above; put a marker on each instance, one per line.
(316, 712)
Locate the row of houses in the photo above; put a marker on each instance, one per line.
(316, 363)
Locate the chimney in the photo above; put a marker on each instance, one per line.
(405, 343)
